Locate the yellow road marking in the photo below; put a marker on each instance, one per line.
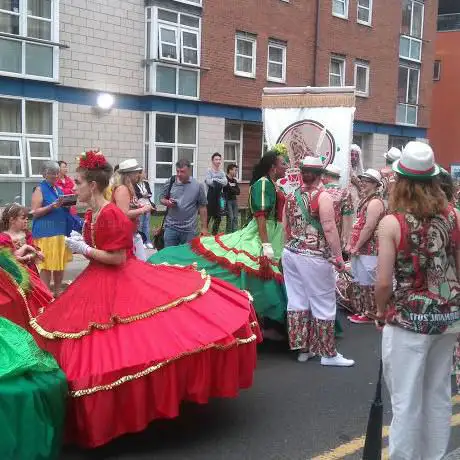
(356, 444)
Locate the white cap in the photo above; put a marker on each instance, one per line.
(332, 170)
(371, 174)
(393, 154)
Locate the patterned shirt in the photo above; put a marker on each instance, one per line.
(343, 204)
(304, 232)
(427, 296)
(370, 247)
(388, 179)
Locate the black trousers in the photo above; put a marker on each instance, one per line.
(215, 223)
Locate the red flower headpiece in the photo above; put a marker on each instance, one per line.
(92, 159)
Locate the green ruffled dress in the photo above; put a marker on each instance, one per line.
(33, 389)
(237, 257)
(32, 397)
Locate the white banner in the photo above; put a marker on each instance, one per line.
(325, 128)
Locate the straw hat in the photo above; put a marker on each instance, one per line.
(128, 166)
(332, 170)
(313, 163)
(393, 154)
(372, 175)
(416, 162)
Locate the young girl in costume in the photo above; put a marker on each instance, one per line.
(19, 254)
(248, 258)
(135, 340)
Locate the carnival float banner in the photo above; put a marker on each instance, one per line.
(311, 121)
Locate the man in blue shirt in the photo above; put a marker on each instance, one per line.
(184, 197)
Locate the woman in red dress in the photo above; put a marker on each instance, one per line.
(18, 255)
(136, 339)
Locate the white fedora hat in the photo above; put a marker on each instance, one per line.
(371, 174)
(310, 162)
(416, 162)
(332, 170)
(393, 154)
(130, 165)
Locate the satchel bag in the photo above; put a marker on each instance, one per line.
(159, 237)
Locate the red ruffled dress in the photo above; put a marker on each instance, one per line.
(136, 339)
(32, 300)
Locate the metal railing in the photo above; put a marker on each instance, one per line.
(448, 22)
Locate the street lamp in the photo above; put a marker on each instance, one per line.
(105, 102)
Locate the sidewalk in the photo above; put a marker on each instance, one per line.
(80, 262)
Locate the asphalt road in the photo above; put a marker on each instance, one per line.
(294, 411)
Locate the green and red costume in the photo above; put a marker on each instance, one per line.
(238, 257)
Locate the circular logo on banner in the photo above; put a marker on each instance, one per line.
(308, 138)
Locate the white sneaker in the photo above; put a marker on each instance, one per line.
(303, 357)
(337, 360)
(145, 246)
(149, 246)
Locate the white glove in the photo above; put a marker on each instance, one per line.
(267, 250)
(77, 246)
(76, 236)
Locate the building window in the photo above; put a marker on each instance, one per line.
(337, 71)
(437, 71)
(408, 91)
(191, 2)
(173, 53)
(410, 43)
(26, 141)
(365, 12)
(29, 51)
(276, 63)
(245, 55)
(174, 138)
(147, 144)
(399, 141)
(362, 78)
(232, 143)
(340, 8)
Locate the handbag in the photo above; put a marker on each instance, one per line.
(159, 237)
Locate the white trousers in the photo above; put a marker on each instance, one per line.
(364, 269)
(310, 285)
(417, 371)
(139, 250)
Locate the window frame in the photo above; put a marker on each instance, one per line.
(153, 53)
(22, 37)
(253, 40)
(343, 62)
(239, 143)
(406, 104)
(369, 9)
(346, 4)
(283, 48)
(412, 38)
(190, 2)
(153, 144)
(364, 65)
(437, 66)
(23, 138)
(31, 138)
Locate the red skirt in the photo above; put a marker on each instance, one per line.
(19, 306)
(137, 339)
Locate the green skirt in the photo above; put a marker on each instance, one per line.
(237, 258)
(32, 397)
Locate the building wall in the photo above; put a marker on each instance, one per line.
(445, 116)
(292, 22)
(106, 42)
(119, 134)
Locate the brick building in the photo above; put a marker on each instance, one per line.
(187, 77)
(445, 117)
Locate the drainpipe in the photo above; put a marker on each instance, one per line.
(317, 31)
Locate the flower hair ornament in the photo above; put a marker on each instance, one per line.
(92, 159)
(282, 150)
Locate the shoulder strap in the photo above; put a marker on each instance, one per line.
(305, 213)
(168, 195)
